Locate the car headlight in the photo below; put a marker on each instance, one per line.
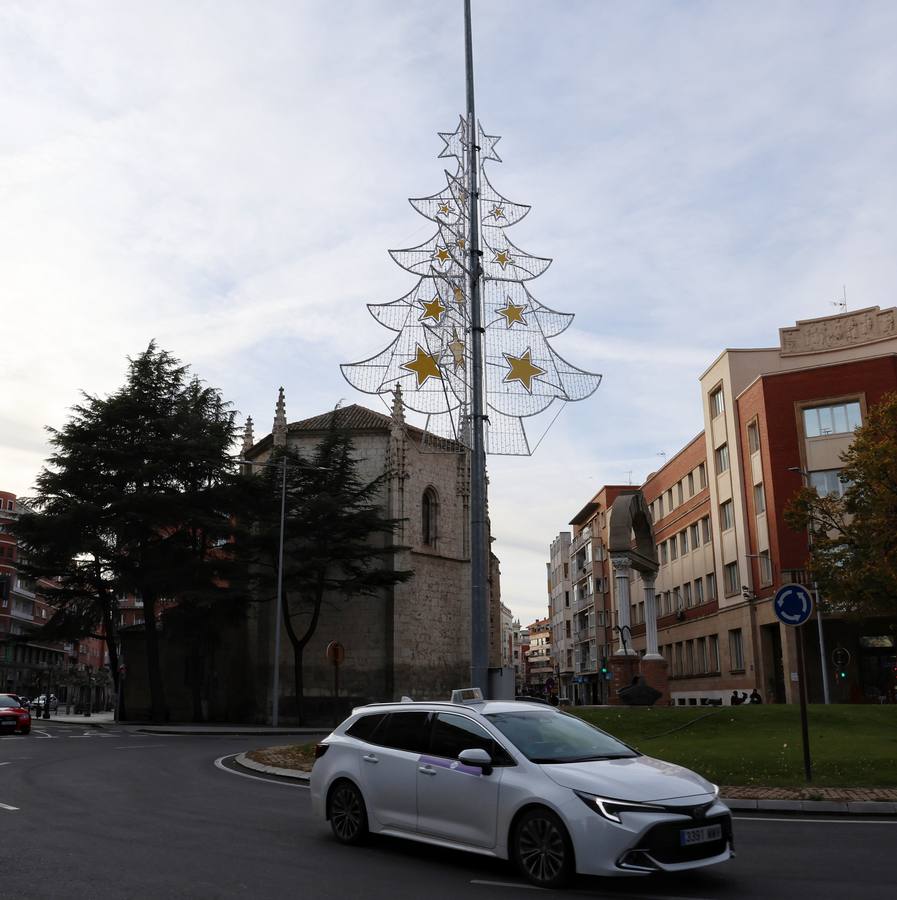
(715, 790)
(610, 808)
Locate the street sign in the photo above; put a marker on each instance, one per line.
(336, 652)
(793, 604)
(840, 657)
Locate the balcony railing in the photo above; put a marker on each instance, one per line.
(580, 540)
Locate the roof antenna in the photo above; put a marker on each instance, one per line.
(841, 305)
(629, 475)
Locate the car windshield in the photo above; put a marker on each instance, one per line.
(8, 702)
(555, 737)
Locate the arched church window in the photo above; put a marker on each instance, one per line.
(429, 517)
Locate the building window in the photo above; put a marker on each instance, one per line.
(674, 551)
(691, 484)
(759, 499)
(721, 458)
(840, 418)
(695, 536)
(667, 607)
(567, 599)
(683, 542)
(660, 507)
(713, 652)
(663, 553)
(677, 668)
(670, 500)
(699, 591)
(753, 433)
(705, 529)
(765, 568)
(733, 582)
(717, 403)
(686, 593)
(828, 481)
(702, 475)
(726, 515)
(711, 585)
(680, 496)
(689, 657)
(429, 517)
(702, 656)
(736, 650)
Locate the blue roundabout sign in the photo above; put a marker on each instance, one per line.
(793, 604)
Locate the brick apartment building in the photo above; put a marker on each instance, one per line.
(773, 417)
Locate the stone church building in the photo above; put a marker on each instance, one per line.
(414, 639)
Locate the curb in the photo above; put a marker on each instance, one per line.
(816, 807)
(36, 723)
(242, 760)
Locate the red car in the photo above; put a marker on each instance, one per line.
(13, 716)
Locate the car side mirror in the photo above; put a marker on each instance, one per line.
(477, 757)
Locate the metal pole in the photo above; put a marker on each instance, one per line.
(805, 479)
(479, 558)
(275, 689)
(802, 691)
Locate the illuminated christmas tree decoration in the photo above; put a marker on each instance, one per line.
(430, 355)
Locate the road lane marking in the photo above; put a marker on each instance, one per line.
(219, 763)
(4, 764)
(853, 821)
(518, 885)
(10, 808)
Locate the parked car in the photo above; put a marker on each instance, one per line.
(38, 702)
(13, 716)
(518, 781)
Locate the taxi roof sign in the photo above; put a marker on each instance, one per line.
(467, 695)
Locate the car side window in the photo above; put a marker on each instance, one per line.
(364, 727)
(403, 731)
(452, 733)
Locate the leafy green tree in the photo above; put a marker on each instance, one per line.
(138, 498)
(337, 540)
(854, 551)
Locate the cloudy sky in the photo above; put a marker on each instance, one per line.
(226, 177)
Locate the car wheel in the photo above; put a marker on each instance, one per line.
(347, 813)
(542, 850)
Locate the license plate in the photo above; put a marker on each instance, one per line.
(701, 835)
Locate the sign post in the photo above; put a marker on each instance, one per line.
(336, 653)
(793, 605)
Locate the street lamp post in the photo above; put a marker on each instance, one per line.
(805, 478)
(278, 611)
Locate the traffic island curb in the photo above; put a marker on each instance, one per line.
(243, 760)
(815, 807)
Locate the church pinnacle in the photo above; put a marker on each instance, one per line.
(248, 438)
(279, 431)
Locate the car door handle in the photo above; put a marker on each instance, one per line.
(426, 770)
(370, 758)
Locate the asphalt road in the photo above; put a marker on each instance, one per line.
(112, 813)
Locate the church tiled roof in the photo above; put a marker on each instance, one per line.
(354, 417)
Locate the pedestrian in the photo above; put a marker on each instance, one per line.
(755, 697)
(735, 700)
(744, 697)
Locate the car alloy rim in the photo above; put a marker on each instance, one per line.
(345, 812)
(541, 848)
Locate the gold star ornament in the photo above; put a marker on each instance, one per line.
(497, 212)
(424, 366)
(502, 257)
(442, 255)
(432, 310)
(512, 313)
(445, 209)
(523, 369)
(456, 346)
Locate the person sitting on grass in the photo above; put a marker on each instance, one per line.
(735, 700)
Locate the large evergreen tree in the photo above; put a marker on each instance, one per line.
(854, 551)
(337, 539)
(138, 497)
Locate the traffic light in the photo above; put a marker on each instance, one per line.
(605, 673)
(842, 674)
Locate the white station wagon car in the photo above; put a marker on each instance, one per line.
(517, 781)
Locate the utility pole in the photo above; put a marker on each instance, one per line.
(479, 542)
